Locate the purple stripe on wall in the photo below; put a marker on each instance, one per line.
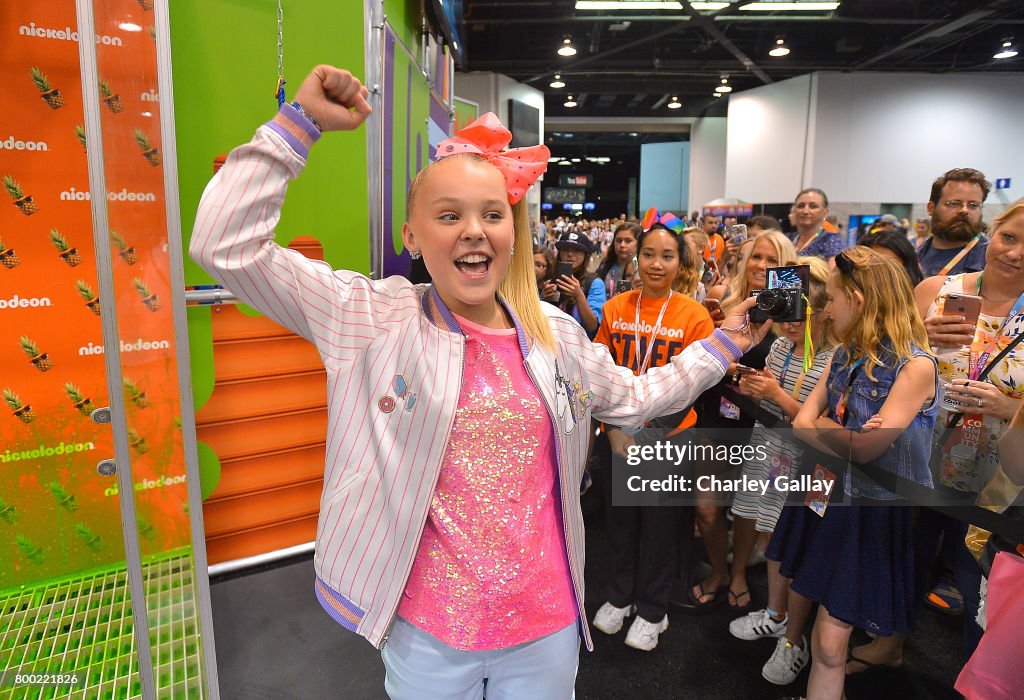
(389, 260)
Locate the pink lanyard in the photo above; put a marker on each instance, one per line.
(654, 331)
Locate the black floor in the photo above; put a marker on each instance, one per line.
(275, 643)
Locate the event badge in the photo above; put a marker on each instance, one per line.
(779, 465)
(817, 501)
(727, 409)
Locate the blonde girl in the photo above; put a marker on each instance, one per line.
(876, 403)
(792, 370)
(450, 533)
(717, 412)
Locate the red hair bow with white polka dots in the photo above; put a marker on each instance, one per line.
(488, 137)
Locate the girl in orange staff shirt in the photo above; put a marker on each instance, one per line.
(646, 328)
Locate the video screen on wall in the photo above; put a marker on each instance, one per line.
(524, 123)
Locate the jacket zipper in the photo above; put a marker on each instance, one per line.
(561, 491)
(423, 522)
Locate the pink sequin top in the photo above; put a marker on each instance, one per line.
(491, 570)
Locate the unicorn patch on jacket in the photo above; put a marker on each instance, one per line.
(565, 404)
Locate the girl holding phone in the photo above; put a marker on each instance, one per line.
(618, 263)
(583, 293)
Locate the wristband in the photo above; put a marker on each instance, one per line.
(298, 108)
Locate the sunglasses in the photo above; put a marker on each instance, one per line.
(846, 266)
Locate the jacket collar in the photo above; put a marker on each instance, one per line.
(442, 317)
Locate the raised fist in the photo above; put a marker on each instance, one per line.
(334, 98)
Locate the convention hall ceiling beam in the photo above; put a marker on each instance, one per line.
(926, 34)
(709, 27)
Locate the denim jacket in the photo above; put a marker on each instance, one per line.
(908, 456)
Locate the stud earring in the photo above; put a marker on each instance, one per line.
(415, 254)
(513, 251)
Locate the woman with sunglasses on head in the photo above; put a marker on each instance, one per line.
(720, 414)
(876, 403)
(450, 533)
(896, 246)
(645, 328)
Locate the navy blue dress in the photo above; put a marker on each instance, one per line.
(857, 560)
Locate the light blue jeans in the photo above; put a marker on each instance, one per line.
(418, 665)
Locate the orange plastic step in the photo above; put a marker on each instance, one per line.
(270, 470)
(254, 436)
(227, 515)
(245, 359)
(249, 543)
(261, 396)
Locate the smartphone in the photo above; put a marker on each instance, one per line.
(738, 233)
(622, 286)
(965, 305)
(743, 369)
(563, 269)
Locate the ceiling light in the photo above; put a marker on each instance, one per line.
(564, 162)
(633, 133)
(1007, 51)
(570, 102)
(557, 82)
(628, 5)
(675, 103)
(567, 49)
(780, 49)
(725, 86)
(575, 160)
(709, 6)
(770, 6)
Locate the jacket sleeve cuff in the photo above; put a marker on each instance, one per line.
(298, 131)
(721, 348)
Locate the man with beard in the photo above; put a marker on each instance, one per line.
(957, 243)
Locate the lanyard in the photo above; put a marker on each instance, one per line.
(654, 331)
(799, 380)
(977, 362)
(960, 256)
(808, 243)
(844, 399)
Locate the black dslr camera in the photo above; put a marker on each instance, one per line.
(783, 301)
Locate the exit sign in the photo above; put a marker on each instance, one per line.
(574, 180)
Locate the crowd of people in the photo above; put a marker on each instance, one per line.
(451, 533)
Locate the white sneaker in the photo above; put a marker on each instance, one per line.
(758, 625)
(643, 635)
(786, 662)
(609, 618)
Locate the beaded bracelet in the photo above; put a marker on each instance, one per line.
(298, 108)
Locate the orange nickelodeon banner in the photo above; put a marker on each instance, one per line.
(57, 514)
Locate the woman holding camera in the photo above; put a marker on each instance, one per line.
(718, 412)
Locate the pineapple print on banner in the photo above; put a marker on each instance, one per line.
(130, 121)
(57, 515)
(48, 446)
